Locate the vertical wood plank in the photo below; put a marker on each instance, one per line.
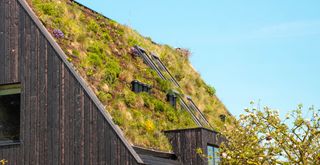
(43, 92)
(66, 120)
(91, 155)
(77, 124)
(107, 143)
(13, 35)
(16, 32)
(82, 133)
(33, 93)
(199, 144)
(53, 105)
(123, 159)
(7, 41)
(37, 94)
(62, 115)
(27, 86)
(100, 132)
(95, 137)
(118, 156)
(50, 107)
(2, 42)
(71, 120)
(15, 154)
(5, 153)
(23, 84)
(56, 108)
(87, 109)
(113, 149)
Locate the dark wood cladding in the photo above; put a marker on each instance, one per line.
(185, 142)
(60, 122)
(9, 43)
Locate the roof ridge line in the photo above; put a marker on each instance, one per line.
(88, 8)
(79, 78)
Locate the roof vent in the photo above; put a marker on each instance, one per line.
(223, 118)
(138, 87)
(172, 99)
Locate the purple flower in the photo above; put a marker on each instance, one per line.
(134, 51)
(58, 33)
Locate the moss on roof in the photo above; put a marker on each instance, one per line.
(100, 49)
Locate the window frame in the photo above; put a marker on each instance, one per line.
(215, 157)
(11, 89)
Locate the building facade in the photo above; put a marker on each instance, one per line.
(48, 113)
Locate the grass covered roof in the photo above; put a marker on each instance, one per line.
(100, 49)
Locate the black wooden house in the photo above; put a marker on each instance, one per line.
(49, 115)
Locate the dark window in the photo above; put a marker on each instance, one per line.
(223, 118)
(138, 87)
(213, 155)
(9, 113)
(172, 99)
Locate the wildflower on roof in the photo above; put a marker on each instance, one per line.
(58, 33)
(134, 51)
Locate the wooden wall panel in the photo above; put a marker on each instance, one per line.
(9, 42)
(2, 42)
(185, 142)
(60, 122)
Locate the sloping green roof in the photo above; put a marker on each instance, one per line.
(100, 49)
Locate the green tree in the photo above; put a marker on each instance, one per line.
(260, 137)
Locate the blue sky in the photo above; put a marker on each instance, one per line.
(266, 50)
